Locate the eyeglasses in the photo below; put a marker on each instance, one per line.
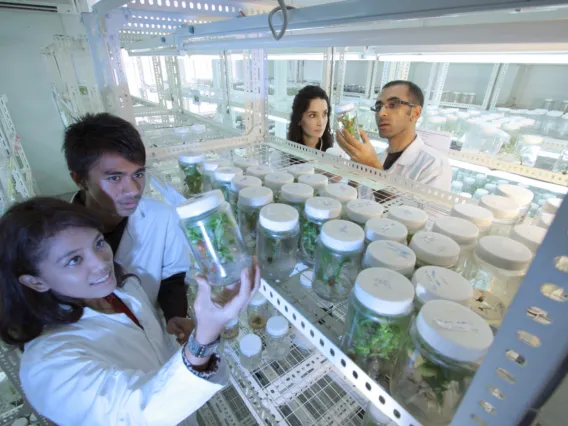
(392, 104)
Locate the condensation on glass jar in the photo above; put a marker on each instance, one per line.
(338, 259)
(340, 191)
(251, 200)
(259, 171)
(505, 213)
(375, 417)
(276, 181)
(251, 351)
(522, 196)
(412, 218)
(463, 232)
(390, 255)
(378, 318)
(528, 148)
(435, 283)
(231, 330)
(479, 216)
(257, 312)
(189, 164)
(346, 116)
(385, 229)
(317, 211)
(208, 168)
(361, 211)
(244, 163)
(298, 170)
(278, 340)
(431, 378)
(239, 183)
(316, 181)
(277, 241)
(433, 249)
(296, 195)
(529, 235)
(223, 178)
(214, 238)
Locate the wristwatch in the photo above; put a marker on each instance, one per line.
(201, 351)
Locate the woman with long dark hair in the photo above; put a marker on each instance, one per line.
(309, 122)
(95, 350)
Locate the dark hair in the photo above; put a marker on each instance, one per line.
(96, 134)
(414, 92)
(24, 233)
(300, 105)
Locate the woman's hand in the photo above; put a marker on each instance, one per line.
(363, 153)
(181, 328)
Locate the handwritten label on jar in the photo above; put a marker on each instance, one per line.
(381, 282)
(397, 250)
(456, 325)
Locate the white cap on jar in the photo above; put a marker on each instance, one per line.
(200, 204)
(479, 216)
(296, 192)
(322, 208)
(361, 211)
(413, 218)
(522, 196)
(255, 196)
(460, 230)
(435, 249)
(551, 205)
(532, 139)
(504, 253)
(381, 228)
(301, 169)
(244, 163)
(258, 300)
(390, 255)
(191, 158)
(385, 292)
(279, 217)
(250, 345)
(316, 181)
(276, 180)
(242, 182)
(259, 171)
(340, 191)
(529, 235)
(212, 165)
(342, 235)
(277, 326)
(544, 220)
(501, 207)
(454, 331)
(226, 174)
(434, 283)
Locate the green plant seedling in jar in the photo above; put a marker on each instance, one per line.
(237, 184)
(317, 211)
(207, 169)
(189, 163)
(276, 181)
(251, 201)
(412, 218)
(296, 195)
(223, 178)
(347, 120)
(298, 170)
(316, 181)
(361, 211)
(338, 259)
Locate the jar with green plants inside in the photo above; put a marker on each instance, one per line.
(300, 169)
(412, 218)
(340, 191)
(251, 201)
(338, 259)
(223, 178)
(378, 319)
(276, 181)
(346, 116)
(447, 343)
(296, 195)
(207, 169)
(316, 181)
(361, 211)
(318, 210)
(193, 178)
(239, 183)
(434, 249)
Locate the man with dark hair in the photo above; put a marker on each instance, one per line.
(106, 158)
(397, 110)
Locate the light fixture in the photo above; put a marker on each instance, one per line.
(487, 58)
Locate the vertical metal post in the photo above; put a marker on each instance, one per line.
(431, 78)
(403, 68)
(442, 73)
(372, 79)
(490, 86)
(226, 74)
(174, 83)
(494, 98)
(339, 65)
(327, 71)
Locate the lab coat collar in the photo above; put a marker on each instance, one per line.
(410, 154)
(122, 294)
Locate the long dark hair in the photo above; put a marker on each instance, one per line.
(301, 104)
(25, 230)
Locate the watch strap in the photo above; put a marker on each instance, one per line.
(201, 351)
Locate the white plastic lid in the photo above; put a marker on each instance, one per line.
(276, 180)
(340, 191)
(479, 216)
(381, 228)
(460, 230)
(250, 345)
(532, 139)
(435, 249)
(277, 326)
(435, 283)
(279, 217)
(316, 181)
(544, 220)
(212, 165)
(244, 163)
(255, 196)
(232, 323)
(296, 192)
(501, 207)
(510, 127)
(504, 253)
(226, 174)
(344, 108)
(361, 211)
(200, 204)
(521, 195)
(551, 205)
(242, 182)
(391, 255)
(301, 169)
(529, 235)
(414, 219)
(384, 291)
(259, 171)
(555, 113)
(191, 158)
(322, 208)
(454, 331)
(342, 235)
(258, 300)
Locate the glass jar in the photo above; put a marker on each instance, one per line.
(208, 168)
(259, 171)
(529, 235)
(551, 122)
(514, 131)
(463, 232)
(435, 123)
(488, 307)
(480, 180)
(298, 170)
(278, 340)
(346, 116)
(498, 265)
(434, 249)
(385, 229)
(457, 187)
(447, 342)
(390, 255)
(340, 191)
(361, 211)
(435, 283)
(277, 241)
(296, 195)
(412, 218)
(538, 116)
(479, 194)
(548, 104)
(505, 213)
(451, 124)
(338, 258)
(316, 181)
(522, 196)
(251, 200)
(276, 181)
(223, 178)
(214, 237)
(237, 184)
(251, 351)
(479, 216)
(468, 185)
(257, 312)
(378, 318)
(317, 211)
(375, 417)
(561, 164)
(244, 163)
(551, 205)
(528, 148)
(543, 220)
(562, 129)
(189, 163)
(491, 188)
(231, 330)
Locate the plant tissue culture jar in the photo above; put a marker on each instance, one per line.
(276, 181)
(316, 181)
(361, 211)
(251, 351)
(385, 229)
(223, 178)
(317, 211)
(278, 340)
(296, 195)
(391, 255)
(251, 201)
(189, 163)
(208, 168)
(412, 218)
(340, 191)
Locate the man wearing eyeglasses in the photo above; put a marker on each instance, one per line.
(397, 110)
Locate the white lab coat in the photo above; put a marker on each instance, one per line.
(423, 164)
(105, 370)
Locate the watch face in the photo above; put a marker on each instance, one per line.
(201, 351)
